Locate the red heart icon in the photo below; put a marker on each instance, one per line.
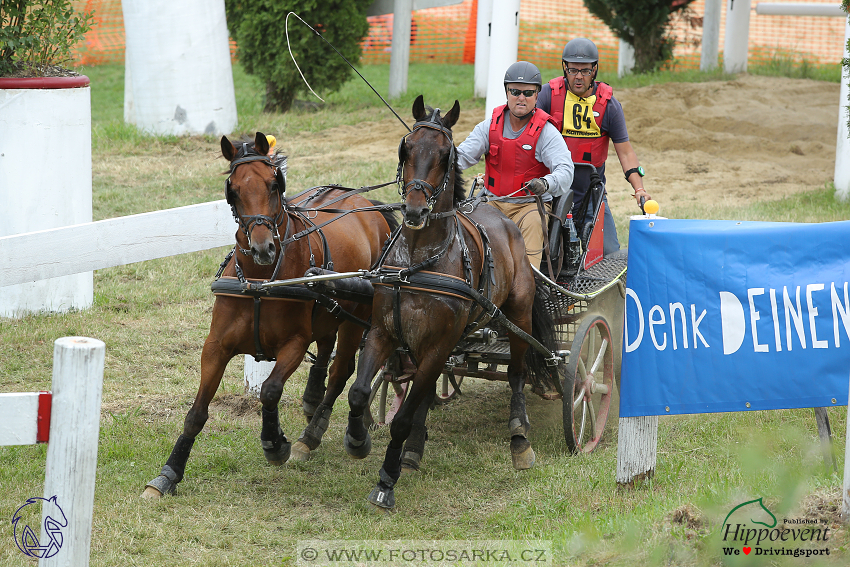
(747, 550)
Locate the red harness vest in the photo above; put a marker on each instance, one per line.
(593, 150)
(510, 163)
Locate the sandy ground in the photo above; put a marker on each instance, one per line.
(730, 143)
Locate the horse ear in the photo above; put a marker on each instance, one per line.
(261, 144)
(450, 119)
(419, 109)
(227, 149)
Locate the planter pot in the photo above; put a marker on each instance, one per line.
(45, 179)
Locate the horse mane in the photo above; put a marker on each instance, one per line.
(459, 189)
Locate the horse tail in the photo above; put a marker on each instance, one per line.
(542, 329)
(389, 215)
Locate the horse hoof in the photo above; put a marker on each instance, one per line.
(410, 462)
(382, 498)
(159, 487)
(523, 460)
(300, 452)
(151, 493)
(357, 449)
(279, 457)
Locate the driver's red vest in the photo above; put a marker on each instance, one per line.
(583, 149)
(510, 163)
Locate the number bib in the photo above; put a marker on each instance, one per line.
(579, 117)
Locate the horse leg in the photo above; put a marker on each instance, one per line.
(522, 454)
(213, 361)
(276, 447)
(314, 391)
(414, 447)
(357, 441)
(341, 369)
(383, 495)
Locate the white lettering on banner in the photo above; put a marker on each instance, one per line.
(813, 312)
(754, 316)
(632, 346)
(653, 322)
(734, 324)
(656, 318)
(845, 313)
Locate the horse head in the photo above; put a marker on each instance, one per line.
(427, 161)
(255, 192)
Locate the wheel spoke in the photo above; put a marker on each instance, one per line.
(382, 403)
(592, 420)
(578, 399)
(445, 386)
(600, 356)
(583, 417)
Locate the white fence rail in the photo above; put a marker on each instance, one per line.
(79, 248)
(73, 413)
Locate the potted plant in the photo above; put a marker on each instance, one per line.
(45, 145)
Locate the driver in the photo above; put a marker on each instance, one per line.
(525, 155)
(588, 115)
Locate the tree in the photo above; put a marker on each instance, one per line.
(258, 26)
(643, 24)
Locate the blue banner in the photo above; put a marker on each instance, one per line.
(735, 316)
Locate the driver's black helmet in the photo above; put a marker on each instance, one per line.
(523, 72)
(580, 50)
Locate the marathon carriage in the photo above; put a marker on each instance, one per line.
(587, 298)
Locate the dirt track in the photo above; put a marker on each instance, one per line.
(718, 142)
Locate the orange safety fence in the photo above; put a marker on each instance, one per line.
(447, 35)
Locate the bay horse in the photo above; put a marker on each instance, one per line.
(275, 241)
(427, 323)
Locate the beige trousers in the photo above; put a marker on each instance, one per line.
(527, 218)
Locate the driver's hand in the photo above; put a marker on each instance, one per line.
(538, 186)
(641, 193)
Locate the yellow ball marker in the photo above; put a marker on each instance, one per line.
(272, 141)
(650, 207)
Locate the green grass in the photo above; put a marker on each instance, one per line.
(234, 509)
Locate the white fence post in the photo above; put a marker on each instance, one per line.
(842, 147)
(400, 55)
(72, 449)
(637, 446)
(255, 374)
(736, 42)
(710, 35)
(482, 46)
(625, 59)
(503, 51)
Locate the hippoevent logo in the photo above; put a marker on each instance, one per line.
(755, 531)
(54, 521)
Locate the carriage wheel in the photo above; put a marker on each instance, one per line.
(589, 376)
(385, 392)
(446, 390)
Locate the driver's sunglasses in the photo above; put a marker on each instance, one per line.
(574, 72)
(527, 93)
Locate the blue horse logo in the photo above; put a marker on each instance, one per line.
(54, 520)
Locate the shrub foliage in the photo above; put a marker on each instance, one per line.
(643, 24)
(258, 26)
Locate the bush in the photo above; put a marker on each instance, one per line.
(37, 35)
(643, 24)
(258, 26)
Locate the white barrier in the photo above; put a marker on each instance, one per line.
(799, 9)
(69, 420)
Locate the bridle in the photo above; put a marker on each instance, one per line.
(431, 193)
(248, 223)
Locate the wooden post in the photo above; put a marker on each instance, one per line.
(400, 55)
(637, 447)
(825, 435)
(736, 42)
(255, 374)
(845, 492)
(72, 449)
(710, 35)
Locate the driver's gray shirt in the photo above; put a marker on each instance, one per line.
(551, 151)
